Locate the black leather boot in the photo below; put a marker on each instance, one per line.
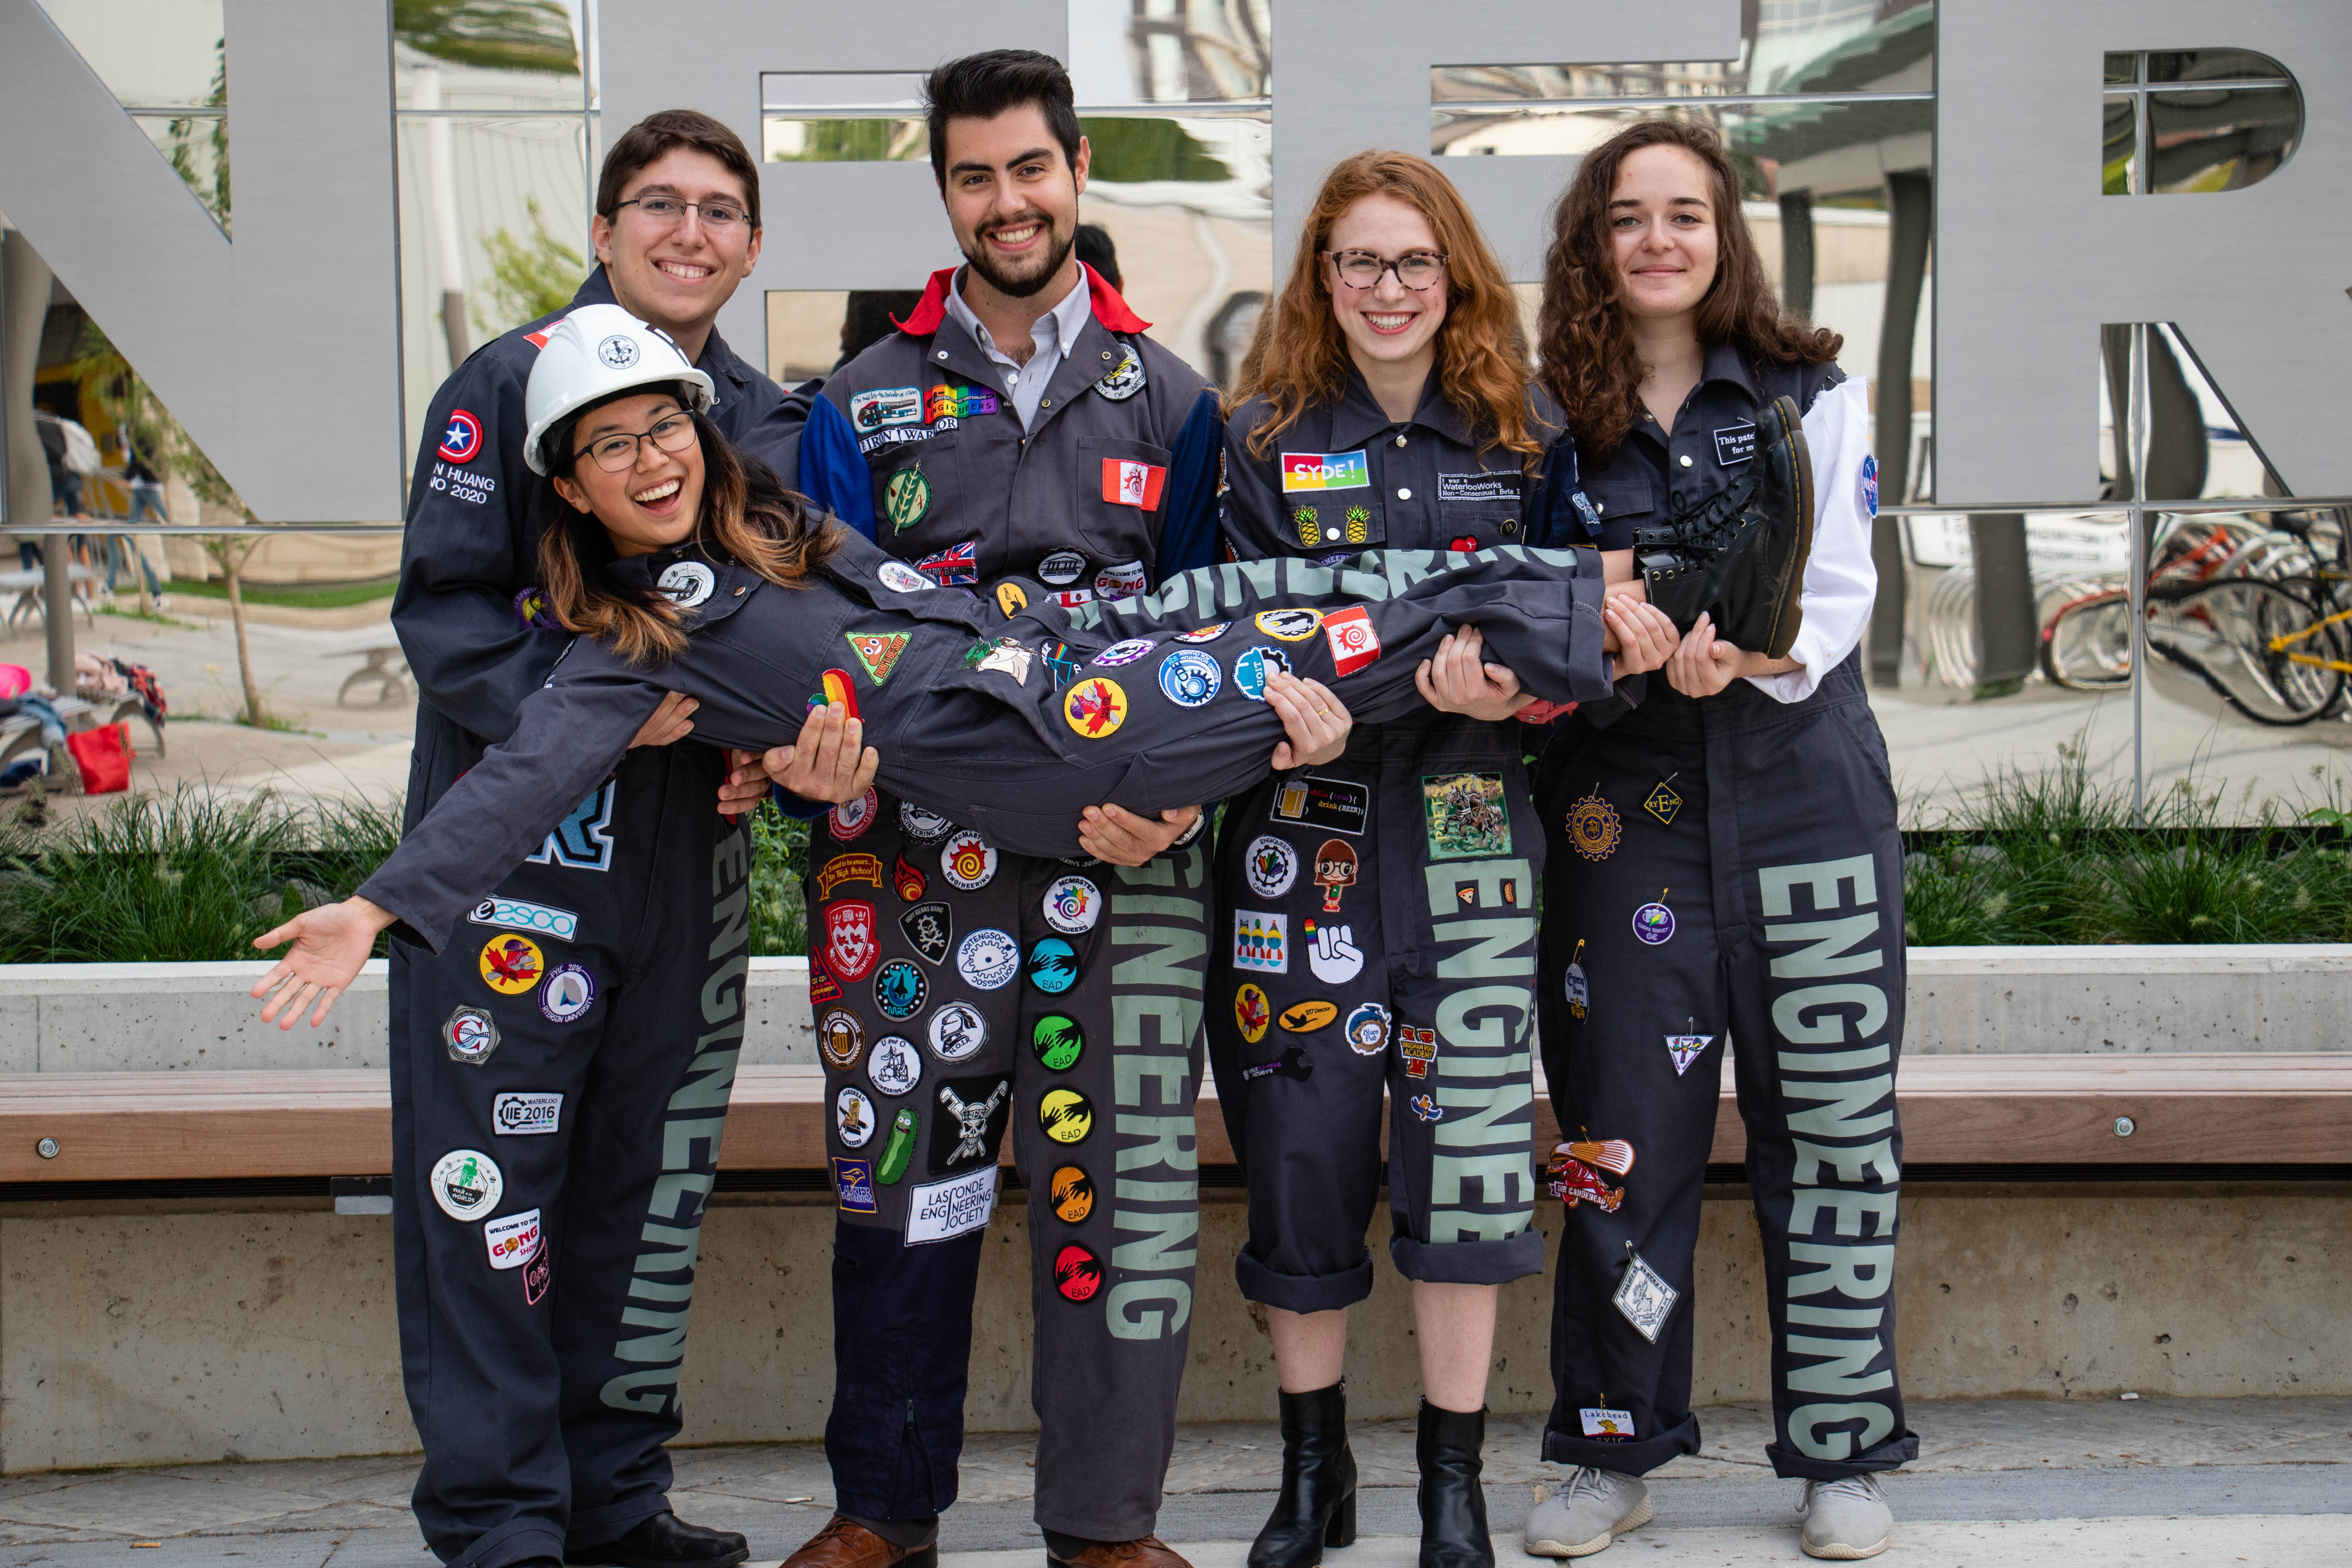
(1452, 1498)
(1739, 557)
(1317, 1505)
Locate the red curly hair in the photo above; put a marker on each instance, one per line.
(1589, 360)
(1299, 357)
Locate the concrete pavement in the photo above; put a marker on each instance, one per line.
(2267, 1482)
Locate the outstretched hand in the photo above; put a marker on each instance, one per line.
(1314, 722)
(331, 943)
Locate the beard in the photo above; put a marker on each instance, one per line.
(1035, 273)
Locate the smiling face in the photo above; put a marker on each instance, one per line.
(1662, 233)
(654, 501)
(676, 274)
(1013, 198)
(1387, 323)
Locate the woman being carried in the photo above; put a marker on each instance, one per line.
(688, 572)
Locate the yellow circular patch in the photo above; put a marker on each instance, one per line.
(1095, 708)
(1289, 625)
(1252, 1012)
(1066, 1116)
(1309, 1017)
(1592, 828)
(512, 964)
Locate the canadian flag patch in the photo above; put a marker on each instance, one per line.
(1354, 643)
(1126, 482)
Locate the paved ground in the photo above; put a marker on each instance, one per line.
(2252, 1480)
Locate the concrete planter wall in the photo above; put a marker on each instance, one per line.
(162, 1017)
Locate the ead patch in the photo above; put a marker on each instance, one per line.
(1335, 806)
(1077, 1273)
(1065, 1115)
(1057, 1042)
(1072, 1195)
(971, 1123)
(1734, 444)
(1467, 816)
(1053, 965)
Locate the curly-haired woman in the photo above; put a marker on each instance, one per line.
(1381, 907)
(1724, 864)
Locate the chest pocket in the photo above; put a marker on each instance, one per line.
(1120, 493)
(1484, 507)
(915, 485)
(1625, 502)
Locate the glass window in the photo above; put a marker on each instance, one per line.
(2213, 65)
(2123, 68)
(1787, 46)
(1127, 52)
(2221, 140)
(150, 54)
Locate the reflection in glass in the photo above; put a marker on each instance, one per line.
(2212, 65)
(1175, 51)
(514, 55)
(500, 224)
(2221, 140)
(2118, 145)
(1787, 46)
(2122, 67)
(147, 53)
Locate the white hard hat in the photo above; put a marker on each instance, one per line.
(592, 353)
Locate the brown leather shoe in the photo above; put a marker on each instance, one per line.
(846, 1543)
(1148, 1552)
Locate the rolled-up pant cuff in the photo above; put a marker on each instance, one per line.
(1310, 1293)
(1637, 1458)
(517, 1541)
(1890, 1454)
(1468, 1262)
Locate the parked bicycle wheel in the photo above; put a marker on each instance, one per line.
(2258, 646)
(2087, 644)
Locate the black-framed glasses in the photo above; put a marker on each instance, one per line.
(668, 210)
(617, 453)
(1416, 270)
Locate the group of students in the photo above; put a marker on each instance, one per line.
(1032, 606)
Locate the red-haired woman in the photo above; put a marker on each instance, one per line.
(1724, 864)
(1376, 922)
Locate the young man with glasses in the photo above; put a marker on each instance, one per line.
(543, 1299)
(1018, 425)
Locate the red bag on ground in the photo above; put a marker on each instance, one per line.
(103, 755)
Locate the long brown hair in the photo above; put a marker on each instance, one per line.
(1589, 360)
(746, 515)
(1299, 357)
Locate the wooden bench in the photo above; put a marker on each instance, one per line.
(1983, 1111)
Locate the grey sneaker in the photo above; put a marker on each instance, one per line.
(1594, 1509)
(1845, 1520)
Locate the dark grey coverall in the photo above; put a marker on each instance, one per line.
(1410, 936)
(1724, 866)
(542, 1322)
(1110, 488)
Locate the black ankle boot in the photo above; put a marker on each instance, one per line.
(1452, 1499)
(1317, 1505)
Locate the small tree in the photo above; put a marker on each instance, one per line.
(528, 278)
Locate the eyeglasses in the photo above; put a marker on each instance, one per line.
(1362, 269)
(668, 210)
(617, 453)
